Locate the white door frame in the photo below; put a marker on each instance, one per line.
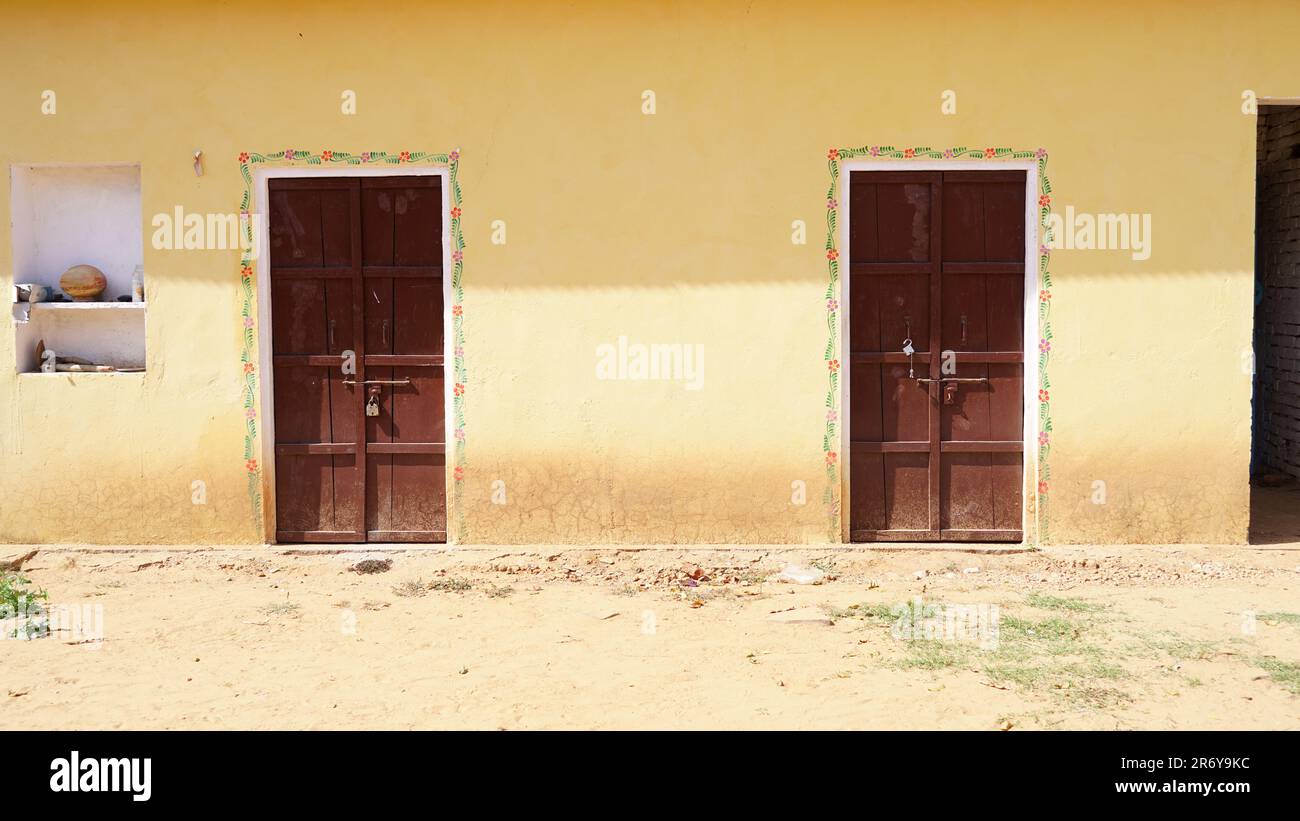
(265, 385)
(1029, 480)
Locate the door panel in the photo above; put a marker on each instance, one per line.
(402, 272)
(356, 271)
(317, 463)
(937, 258)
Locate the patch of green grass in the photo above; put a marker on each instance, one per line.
(1183, 649)
(884, 613)
(1024, 675)
(1096, 669)
(284, 608)
(1280, 615)
(1055, 636)
(1042, 601)
(410, 588)
(1285, 673)
(1058, 654)
(928, 654)
(450, 585)
(26, 606)
(499, 592)
(1096, 698)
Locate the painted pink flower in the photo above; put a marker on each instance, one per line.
(832, 415)
(1043, 396)
(327, 155)
(1043, 438)
(289, 153)
(251, 465)
(1044, 200)
(947, 154)
(831, 456)
(248, 367)
(1044, 346)
(875, 151)
(1045, 250)
(832, 304)
(459, 390)
(1045, 296)
(832, 254)
(248, 322)
(909, 153)
(458, 351)
(831, 205)
(458, 474)
(1040, 153)
(833, 154)
(454, 156)
(405, 156)
(1042, 487)
(246, 272)
(243, 156)
(834, 365)
(457, 256)
(990, 153)
(455, 213)
(460, 434)
(365, 156)
(250, 414)
(457, 310)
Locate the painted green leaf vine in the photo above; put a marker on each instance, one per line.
(248, 301)
(831, 496)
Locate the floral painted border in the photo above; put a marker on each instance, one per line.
(248, 311)
(831, 497)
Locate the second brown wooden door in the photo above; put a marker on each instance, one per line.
(357, 351)
(937, 263)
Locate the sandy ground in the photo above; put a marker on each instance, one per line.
(520, 638)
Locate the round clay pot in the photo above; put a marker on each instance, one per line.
(84, 283)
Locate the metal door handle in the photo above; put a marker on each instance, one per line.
(378, 382)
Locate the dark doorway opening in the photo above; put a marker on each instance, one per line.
(1275, 421)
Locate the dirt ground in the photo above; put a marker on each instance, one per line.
(520, 638)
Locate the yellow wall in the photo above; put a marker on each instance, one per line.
(666, 228)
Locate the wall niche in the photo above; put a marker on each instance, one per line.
(66, 215)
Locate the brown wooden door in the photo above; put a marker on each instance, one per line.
(936, 451)
(357, 320)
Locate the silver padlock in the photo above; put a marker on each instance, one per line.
(909, 350)
(372, 405)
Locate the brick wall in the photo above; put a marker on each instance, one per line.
(1277, 295)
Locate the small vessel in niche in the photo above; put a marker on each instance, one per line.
(84, 283)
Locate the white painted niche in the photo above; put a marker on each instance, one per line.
(65, 215)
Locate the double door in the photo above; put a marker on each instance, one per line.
(936, 339)
(357, 351)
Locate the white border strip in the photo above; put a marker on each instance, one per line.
(1029, 480)
(266, 386)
